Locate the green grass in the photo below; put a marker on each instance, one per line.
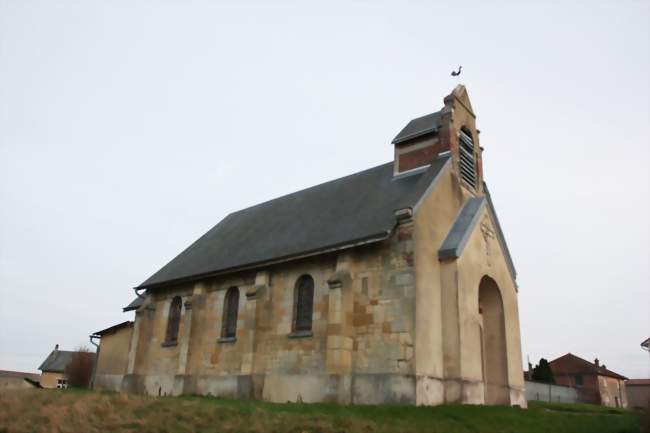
(87, 411)
(576, 407)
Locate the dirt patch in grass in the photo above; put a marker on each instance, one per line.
(68, 411)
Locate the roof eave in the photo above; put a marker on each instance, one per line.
(378, 237)
(113, 328)
(414, 135)
(612, 374)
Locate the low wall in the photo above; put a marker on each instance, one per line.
(552, 393)
(638, 396)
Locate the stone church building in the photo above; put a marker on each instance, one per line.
(391, 285)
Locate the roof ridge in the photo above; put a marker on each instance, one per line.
(593, 367)
(310, 187)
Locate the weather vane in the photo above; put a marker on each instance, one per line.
(456, 73)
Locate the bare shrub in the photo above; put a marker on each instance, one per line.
(80, 369)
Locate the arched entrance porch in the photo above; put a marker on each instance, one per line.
(493, 343)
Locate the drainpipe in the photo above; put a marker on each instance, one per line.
(92, 377)
(97, 336)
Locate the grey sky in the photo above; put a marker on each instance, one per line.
(129, 128)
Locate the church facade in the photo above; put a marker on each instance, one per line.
(392, 285)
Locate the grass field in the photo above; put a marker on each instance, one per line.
(86, 411)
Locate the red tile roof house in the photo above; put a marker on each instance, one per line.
(597, 384)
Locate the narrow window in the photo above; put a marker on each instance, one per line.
(230, 309)
(579, 382)
(303, 303)
(466, 158)
(173, 321)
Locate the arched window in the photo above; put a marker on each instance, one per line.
(173, 320)
(230, 309)
(466, 158)
(303, 303)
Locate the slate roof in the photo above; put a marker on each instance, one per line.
(572, 364)
(58, 360)
(348, 211)
(134, 305)
(460, 231)
(113, 328)
(419, 127)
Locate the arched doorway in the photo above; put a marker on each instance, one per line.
(493, 343)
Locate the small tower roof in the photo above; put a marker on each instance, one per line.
(419, 127)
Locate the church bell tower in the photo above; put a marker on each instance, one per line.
(450, 130)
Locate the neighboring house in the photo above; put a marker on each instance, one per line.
(112, 360)
(53, 368)
(598, 384)
(391, 285)
(19, 380)
(638, 393)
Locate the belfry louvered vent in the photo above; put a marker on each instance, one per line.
(467, 161)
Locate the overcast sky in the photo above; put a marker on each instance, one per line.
(129, 128)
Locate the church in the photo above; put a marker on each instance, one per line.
(391, 285)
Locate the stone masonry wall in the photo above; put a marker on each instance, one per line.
(361, 348)
(112, 359)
